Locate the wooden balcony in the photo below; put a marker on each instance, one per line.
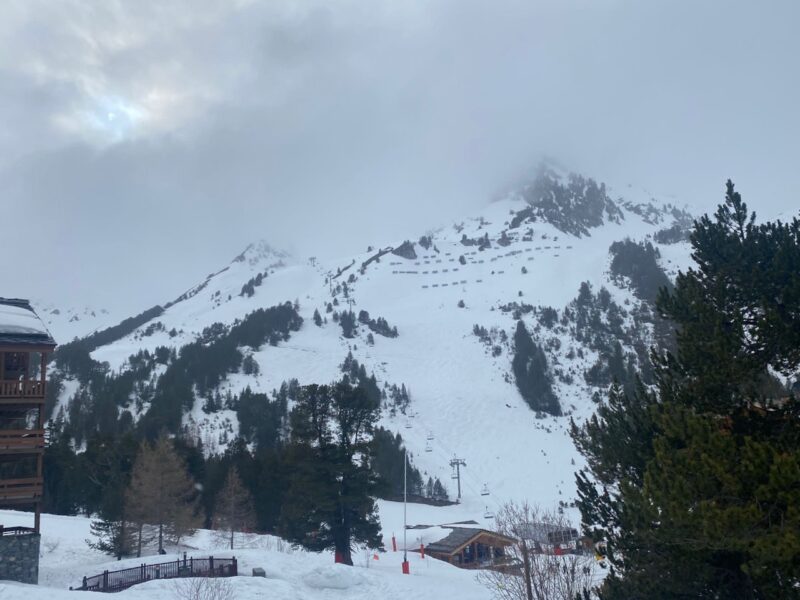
(20, 491)
(22, 392)
(21, 441)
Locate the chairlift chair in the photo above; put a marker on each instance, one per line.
(430, 436)
(488, 514)
(428, 447)
(485, 490)
(408, 424)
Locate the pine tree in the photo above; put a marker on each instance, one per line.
(317, 318)
(330, 502)
(161, 494)
(348, 322)
(234, 509)
(529, 366)
(693, 486)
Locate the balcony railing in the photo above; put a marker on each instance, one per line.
(21, 390)
(20, 490)
(21, 441)
(16, 530)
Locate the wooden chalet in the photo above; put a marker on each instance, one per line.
(469, 548)
(24, 346)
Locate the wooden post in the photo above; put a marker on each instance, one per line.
(211, 564)
(235, 567)
(105, 580)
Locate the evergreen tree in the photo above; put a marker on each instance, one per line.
(330, 501)
(693, 487)
(317, 318)
(348, 322)
(113, 535)
(530, 370)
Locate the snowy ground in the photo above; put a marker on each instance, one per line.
(291, 574)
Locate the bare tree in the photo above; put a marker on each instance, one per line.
(544, 570)
(234, 507)
(203, 588)
(161, 495)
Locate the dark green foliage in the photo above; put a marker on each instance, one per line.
(548, 316)
(357, 375)
(250, 365)
(347, 320)
(329, 502)
(261, 418)
(693, 486)
(639, 263)
(481, 332)
(379, 325)
(388, 452)
(405, 250)
(317, 318)
(63, 492)
(482, 242)
(534, 382)
(249, 288)
(202, 365)
(744, 296)
(672, 235)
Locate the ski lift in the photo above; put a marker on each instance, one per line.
(430, 436)
(428, 447)
(488, 514)
(408, 424)
(485, 490)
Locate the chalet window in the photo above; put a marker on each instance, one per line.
(15, 365)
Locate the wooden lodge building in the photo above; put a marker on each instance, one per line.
(469, 548)
(24, 347)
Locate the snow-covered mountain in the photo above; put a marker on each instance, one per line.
(69, 322)
(455, 297)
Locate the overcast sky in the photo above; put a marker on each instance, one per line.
(144, 143)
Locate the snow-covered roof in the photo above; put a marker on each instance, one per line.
(461, 536)
(20, 325)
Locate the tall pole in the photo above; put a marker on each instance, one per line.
(405, 508)
(458, 463)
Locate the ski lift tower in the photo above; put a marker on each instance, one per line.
(457, 463)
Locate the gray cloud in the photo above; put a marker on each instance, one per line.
(144, 143)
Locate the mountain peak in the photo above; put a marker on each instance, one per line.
(261, 251)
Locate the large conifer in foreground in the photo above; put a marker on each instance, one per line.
(694, 486)
(330, 502)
